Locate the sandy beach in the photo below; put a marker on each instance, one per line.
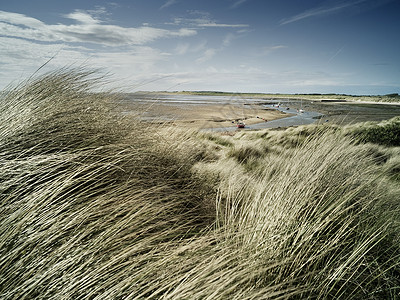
(213, 112)
(206, 115)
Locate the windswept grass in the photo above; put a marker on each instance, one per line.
(95, 205)
(317, 210)
(85, 191)
(385, 133)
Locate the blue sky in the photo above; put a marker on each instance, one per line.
(272, 46)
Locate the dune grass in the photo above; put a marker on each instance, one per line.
(99, 205)
(385, 133)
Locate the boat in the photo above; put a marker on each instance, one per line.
(301, 110)
(240, 125)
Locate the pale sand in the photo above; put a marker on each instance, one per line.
(207, 115)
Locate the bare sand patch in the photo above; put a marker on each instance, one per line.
(207, 115)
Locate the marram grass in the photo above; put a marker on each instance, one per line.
(97, 205)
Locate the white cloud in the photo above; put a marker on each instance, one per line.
(19, 19)
(27, 43)
(82, 17)
(21, 58)
(88, 29)
(37, 33)
(18, 52)
(112, 35)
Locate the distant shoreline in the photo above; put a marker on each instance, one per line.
(390, 98)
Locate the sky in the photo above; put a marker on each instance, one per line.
(267, 46)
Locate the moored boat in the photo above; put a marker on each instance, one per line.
(240, 125)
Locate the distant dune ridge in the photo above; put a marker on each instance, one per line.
(96, 204)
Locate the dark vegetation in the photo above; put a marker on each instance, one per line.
(384, 133)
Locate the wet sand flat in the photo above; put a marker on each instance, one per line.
(206, 115)
(202, 112)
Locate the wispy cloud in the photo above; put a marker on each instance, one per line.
(205, 22)
(213, 24)
(196, 48)
(26, 43)
(168, 3)
(269, 49)
(207, 55)
(238, 3)
(139, 58)
(82, 17)
(24, 57)
(21, 57)
(26, 53)
(88, 29)
(336, 54)
(182, 49)
(322, 10)
(19, 19)
(228, 39)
